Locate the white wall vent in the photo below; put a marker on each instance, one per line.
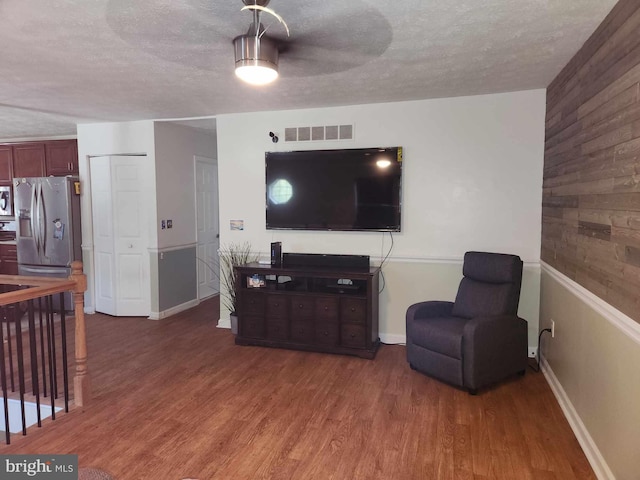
(318, 133)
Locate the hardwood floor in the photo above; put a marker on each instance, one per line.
(177, 399)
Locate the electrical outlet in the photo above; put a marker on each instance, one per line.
(169, 223)
(553, 328)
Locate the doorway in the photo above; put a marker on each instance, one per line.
(207, 226)
(120, 237)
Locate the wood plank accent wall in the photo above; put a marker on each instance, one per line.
(591, 189)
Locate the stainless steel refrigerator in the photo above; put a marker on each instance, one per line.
(48, 235)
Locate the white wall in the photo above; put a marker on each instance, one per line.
(592, 366)
(472, 180)
(169, 186)
(112, 139)
(175, 147)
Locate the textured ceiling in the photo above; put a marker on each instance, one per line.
(79, 61)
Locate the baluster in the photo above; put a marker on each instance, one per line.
(81, 382)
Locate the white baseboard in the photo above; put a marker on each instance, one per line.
(595, 458)
(224, 323)
(393, 338)
(173, 310)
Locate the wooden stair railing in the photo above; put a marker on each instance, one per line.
(43, 286)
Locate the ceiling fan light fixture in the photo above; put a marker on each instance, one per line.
(256, 59)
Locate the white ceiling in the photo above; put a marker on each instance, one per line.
(79, 61)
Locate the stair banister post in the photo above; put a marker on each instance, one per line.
(81, 379)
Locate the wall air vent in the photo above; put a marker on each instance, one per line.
(318, 133)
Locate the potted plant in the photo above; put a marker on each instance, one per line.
(233, 255)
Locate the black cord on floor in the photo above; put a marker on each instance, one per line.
(538, 352)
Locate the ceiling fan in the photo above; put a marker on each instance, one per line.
(327, 37)
(256, 53)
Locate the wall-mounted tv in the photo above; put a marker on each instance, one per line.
(344, 190)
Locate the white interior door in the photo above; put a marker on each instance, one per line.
(120, 235)
(103, 241)
(206, 175)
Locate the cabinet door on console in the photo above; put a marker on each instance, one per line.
(252, 304)
(277, 306)
(277, 317)
(353, 318)
(353, 336)
(327, 309)
(251, 326)
(353, 310)
(327, 321)
(302, 311)
(251, 315)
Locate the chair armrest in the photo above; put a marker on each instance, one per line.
(493, 348)
(429, 309)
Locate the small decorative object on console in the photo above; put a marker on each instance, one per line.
(255, 281)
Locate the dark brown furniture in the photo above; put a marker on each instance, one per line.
(308, 308)
(38, 159)
(61, 158)
(8, 259)
(6, 164)
(478, 339)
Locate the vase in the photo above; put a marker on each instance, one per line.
(233, 318)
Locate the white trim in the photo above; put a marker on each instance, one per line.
(173, 310)
(86, 247)
(440, 260)
(375, 260)
(454, 260)
(89, 310)
(182, 119)
(171, 249)
(624, 323)
(595, 458)
(224, 323)
(71, 136)
(393, 338)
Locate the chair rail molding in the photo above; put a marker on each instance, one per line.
(626, 324)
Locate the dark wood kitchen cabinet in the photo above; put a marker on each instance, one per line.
(29, 160)
(8, 259)
(38, 159)
(61, 157)
(6, 164)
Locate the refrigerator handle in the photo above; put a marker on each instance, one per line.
(34, 217)
(43, 232)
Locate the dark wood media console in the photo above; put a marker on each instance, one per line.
(322, 309)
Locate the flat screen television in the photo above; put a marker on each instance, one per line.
(344, 190)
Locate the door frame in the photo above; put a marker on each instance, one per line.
(214, 163)
(88, 249)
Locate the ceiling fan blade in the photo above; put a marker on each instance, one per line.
(335, 45)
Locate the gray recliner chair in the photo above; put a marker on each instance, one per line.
(478, 339)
